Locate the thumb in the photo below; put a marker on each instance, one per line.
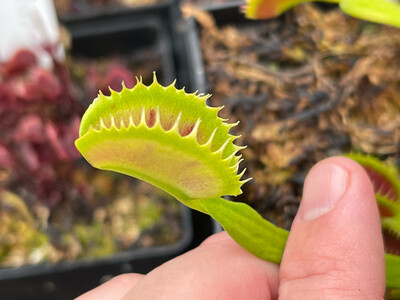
(335, 247)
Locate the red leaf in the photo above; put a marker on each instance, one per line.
(118, 74)
(30, 129)
(54, 141)
(7, 97)
(20, 62)
(6, 159)
(29, 156)
(39, 84)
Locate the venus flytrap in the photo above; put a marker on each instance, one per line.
(379, 11)
(176, 142)
(385, 180)
(265, 9)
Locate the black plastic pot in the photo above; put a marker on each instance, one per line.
(223, 14)
(132, 33)
(129, 32)
(80, 9)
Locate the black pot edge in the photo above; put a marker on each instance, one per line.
(162, 47)
(98, 13)
(236, 4)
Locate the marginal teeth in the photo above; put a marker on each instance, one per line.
(139, 80)
(112, 121)
(221, 149)
(173, 84)
(157, 121)
(230, 157)
(143, 117)
(232, 124)
(175, 127)
(245, 180)
(210, 139)
(102, 125)
(193, 133)
(235, 166)
(242, 173)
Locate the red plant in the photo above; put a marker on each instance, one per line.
(6, 159)
(39, 123)
(21, 61)
(38, 85)
(111, 78)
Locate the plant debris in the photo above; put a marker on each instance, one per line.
(311, 84)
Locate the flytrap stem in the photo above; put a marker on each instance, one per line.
(248, 228)
(264, 239)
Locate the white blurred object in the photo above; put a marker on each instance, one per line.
(29, 24)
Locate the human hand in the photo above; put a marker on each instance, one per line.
(334, 251)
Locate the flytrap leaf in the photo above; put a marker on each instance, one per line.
(164, 136)
(384, 177)
(176, 142)
(379, 11)
(385, 181)
(265, 9)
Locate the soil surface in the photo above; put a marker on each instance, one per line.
(311, 84)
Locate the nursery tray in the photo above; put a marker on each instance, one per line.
(127, 33)
(81, 9)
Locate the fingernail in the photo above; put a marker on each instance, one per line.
(324, 187)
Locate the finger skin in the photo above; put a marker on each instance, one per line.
(218, 269)
(340, 254)
(113, 289)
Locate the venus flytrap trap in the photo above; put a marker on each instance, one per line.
(385, 180)
(265, 9)
(379, 11)
(176, 142)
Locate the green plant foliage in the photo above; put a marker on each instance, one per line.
(384, 176)
(174, 141)
(385, 181)
(378, 11)
(18, 233)
(265, 9)
(165, 137)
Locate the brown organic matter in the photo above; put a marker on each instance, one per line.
(309, 85)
